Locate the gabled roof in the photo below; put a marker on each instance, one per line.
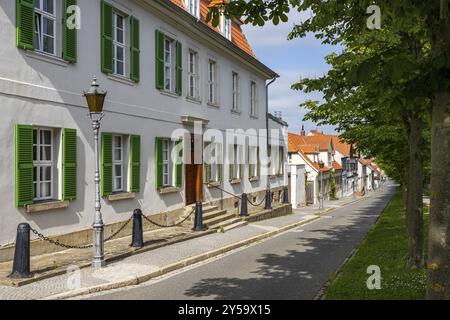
(322, 141)
(237, 35)
(295, 146)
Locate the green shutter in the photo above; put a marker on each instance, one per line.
(69, 35)
(106, 37)
(159, 60)
(134, 50)
(179, 165)
(258, 165)
(24, 165)
(135, 163)
(159, 163)
(179, 69)
(207, 172)
(106, 164)
(69, 164)
(25, 24)
(219, 172)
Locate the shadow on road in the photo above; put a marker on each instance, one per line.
(302, 270)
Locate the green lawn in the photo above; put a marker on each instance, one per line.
(384, 246)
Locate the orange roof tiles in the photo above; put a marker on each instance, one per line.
(339, 145)
(336, 166)
(237, 35)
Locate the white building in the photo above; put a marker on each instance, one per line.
(164, 69)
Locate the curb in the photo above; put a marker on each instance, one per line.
(135, 280)
(176, 265)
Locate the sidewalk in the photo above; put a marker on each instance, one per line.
(142, 267)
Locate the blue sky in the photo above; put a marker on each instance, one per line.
(291, 60)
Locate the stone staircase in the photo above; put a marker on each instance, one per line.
(215, 218)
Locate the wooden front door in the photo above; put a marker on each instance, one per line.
(194, 172)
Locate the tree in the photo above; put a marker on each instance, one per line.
(426, 24)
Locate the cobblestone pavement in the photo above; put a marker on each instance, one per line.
(146, 262)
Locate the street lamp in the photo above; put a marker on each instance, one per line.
(321, 165)
(95, 99)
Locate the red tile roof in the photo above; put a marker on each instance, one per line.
(237, 35)
(336, 166)
(295, 145)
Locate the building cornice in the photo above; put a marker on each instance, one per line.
(183, 20)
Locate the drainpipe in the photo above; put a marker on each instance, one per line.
(267, 123)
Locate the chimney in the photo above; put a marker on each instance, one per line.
(303, 133)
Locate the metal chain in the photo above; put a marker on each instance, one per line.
(175, 225)
(257, 204)
(119, 230)
(68, 246)
(57, 242)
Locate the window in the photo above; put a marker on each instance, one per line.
(235, 161)
(166, 144)
(118, 170)
(225, 27)
(253, 161)
(169, 64)
(253, 106)
(119, 44)
(212, 82)
(192, 7)
(213, 161)
(235, 105)
(43, 164)
(280, 161)
(45, 26)
(193, 75)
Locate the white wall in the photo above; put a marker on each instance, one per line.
(48, 92)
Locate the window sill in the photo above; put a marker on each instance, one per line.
(168, 190)
(46, 206)
(254, 117)
(122, 196)
(193, 100)
(253, 179)
(236, 112)
(47, 58)
(213, 105)
(235, 181)
(121, 79)
(213, 184)
(169, 94)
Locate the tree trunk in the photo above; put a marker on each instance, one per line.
(439, 233)
(414, 199)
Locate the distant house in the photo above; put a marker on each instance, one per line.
(310, 150)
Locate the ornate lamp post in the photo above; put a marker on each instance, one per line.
(95, 99)
(321, 165)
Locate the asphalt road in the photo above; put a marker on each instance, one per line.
(293, 265)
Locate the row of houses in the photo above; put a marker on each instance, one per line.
(166, 70)
(315, 156)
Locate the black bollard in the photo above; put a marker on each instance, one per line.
(21, 265)
(138, 237)
(268, 204)
(286, 195)
(244, 205)
(198, 223)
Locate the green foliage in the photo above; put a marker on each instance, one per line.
(384, 246)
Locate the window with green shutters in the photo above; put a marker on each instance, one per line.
(37, 24)
(120, 43)
(115, 149)
(168, 171)
(168, 64)
(36, 164)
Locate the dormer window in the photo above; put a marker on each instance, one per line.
(192, 6)
(225, 27)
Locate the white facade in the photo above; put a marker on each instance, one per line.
(46, 92)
